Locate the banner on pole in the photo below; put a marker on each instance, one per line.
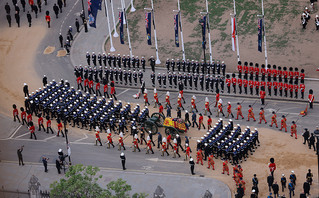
(121, 17)
(260, 34)
(93, 6)
(233, 30)
(148, 18)
(176, 24)
(204, 20)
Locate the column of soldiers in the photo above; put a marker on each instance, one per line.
(108, 71)
(276, 81)
(305, 17)
(228, 142)
(191, 74)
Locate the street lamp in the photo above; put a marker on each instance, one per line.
(66, 130)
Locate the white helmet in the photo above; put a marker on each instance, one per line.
(194, 97)
(121, 134)
(167, 93)
(206, 99)
(108, 131)
(135, 136)
(154, 90)
(174, 141)
(122, 154)
(145, 91)
(97, 128)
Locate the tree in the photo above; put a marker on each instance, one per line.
(81, 181)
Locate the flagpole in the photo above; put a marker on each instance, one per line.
(123, 8)
(128, 31)
(263, 13)
(180, 21)
(236, 32)
(208, 29)
(157, 57)
(112, 49)
(132, 7)
(115, 33)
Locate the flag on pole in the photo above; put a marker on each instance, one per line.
(176, 22)
(204, 31)
(260, 34)
(148, 18)
(93, 6)
(121, 15)
(100, 4)
(233, 30)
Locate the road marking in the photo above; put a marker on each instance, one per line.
(104, 168)
(15, 132)
(162, 160)
(67, 15)
(87, 143)
(49, 138)
(82, 138)
(22, 135)
(122, 92)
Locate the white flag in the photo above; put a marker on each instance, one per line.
(233, 30)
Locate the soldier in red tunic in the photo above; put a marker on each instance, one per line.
(251, 113)
(146, 103)
(40, 122)
(234, 81)
(283, 123)
(274, 119)
(32, 129)
(239, 69)
(293, 129)
(156, 102)
(23, 116)
(193, 104)
(109, 139)
(311, 98)
(15, 113)
(229, 112)
(211, 162)
(97, 136)
(199, 156)
(228, 82)
(262, 116)
(225, 167)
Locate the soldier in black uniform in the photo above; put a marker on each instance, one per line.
(208, 68)
(104, 59)
(135, 78)
(170, 79)
(125, 77)
(213, 67)
(153, 79)
(202, 67)
(178, 65)
(137, 62)
(116, 75)
(128, 62)
(185, 80)
(111, 74)
(129, 76)
(222, 83)
(175, 80)
(94, 58)
(188, 66)
(223, 67)
(173, 65)
(121, 75)
(99, 59)
(164, 80)
(140, 76)
(167, 64)
(201, 82)
(190, 81)
(195, 79)
(152, 63)
(218, 67)
(207, 80)
(113, 58)
(88, 58)
(159, 79)
(193, 66)
(118, 60)
(217, 80)
(143, 63)
(211, 83)
(257, 72)
(124, 61)
(100, 71)
(183, 65)
(197, 67)
(133, 62)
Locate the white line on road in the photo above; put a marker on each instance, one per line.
(15, 132)
(22, 135)
(162, 160)
(122, 92)
(67, 15)
(49, 138)
(82, 138)
(87, 143)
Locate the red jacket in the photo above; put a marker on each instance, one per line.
(302, 87)
(105, 88)
(240, 82)
(256, 84)
(15, 112)
(23, 115)
(79, 80)
(40, 121)
(233, 80)
(262, 94)
(48, 123)
(97, 86)
(240, 68)
(86, 82)
(228, 81)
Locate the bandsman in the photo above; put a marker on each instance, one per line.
(121, 142)
(293, 129)
(283, 123)
(199, 156)
(262, 116)
(109, 139)
(239, 111)
(220, 108)
(229, 111)
(193, 104)
(225, 167)
(97, 136)
(211, 162)
(135, 142)
(251, 113)
(207, 108)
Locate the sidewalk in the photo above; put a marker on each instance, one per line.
(16, 178)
